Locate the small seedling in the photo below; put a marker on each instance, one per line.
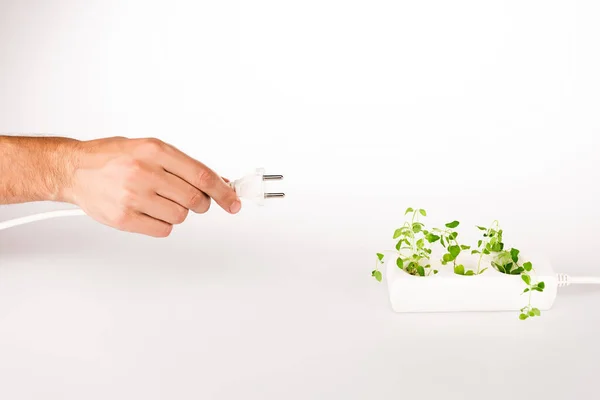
(507, 262)
(529, 311)
(376, 272)
(449, 241)
(412, 247)
(491, 243)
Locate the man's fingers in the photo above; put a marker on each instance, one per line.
(146, 225)
(176, 189)
(201, 177)
(163, 209)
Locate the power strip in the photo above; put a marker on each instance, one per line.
(490, 291)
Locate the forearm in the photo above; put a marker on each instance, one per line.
(35, 168)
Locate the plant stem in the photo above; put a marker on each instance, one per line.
(484, 244)
(414, 244)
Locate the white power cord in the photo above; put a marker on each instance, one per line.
(564, 280)
(40, 217)
(250, 187)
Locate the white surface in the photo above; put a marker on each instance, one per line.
(366, 108)
(449, 292)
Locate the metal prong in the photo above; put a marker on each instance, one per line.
(274, 195)
(272, 177)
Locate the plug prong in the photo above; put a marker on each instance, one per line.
(272, 177)
(274, 195)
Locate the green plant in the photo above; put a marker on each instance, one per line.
(508, 262)
(413, 250)
(491, 243)
(529, 311)
(449, 241)
(376, 272)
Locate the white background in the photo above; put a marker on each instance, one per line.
(473, 110)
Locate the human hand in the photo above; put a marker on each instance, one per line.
(143, 185)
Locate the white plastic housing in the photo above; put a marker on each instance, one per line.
(449, 292)
(251, 187)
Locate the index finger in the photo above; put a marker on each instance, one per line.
(200, 176)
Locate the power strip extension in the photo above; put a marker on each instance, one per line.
(490, 291)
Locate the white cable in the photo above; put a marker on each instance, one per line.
(564, 280)
(40, 217)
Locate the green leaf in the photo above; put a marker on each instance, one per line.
(420, 243)
(380, 256)
(423, 212)
(526, 290)
(454, 251)
(479, 243)
(514, 254)
(408, 210)
(397, 233)
(531, 313)
(537, 289)
(431, 238)
(528, 266)
(469, 273)
(536, 311)
(486, 252)
(508, 267)
(435, 271)
(459, 270)
(447, 257)
(443, 241)
(452, 224)
(517, 271)
(474, 251)
(421, 270)
(377, 275)
(523, 316)
(526, 279)
(482, 271)
(541, 285)
(481, 228)
(465, 247)
(400, 263)
(398, 245)
(500, 268)
(453, 235)
(416, 227)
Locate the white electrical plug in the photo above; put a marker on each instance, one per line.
(253, 186)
